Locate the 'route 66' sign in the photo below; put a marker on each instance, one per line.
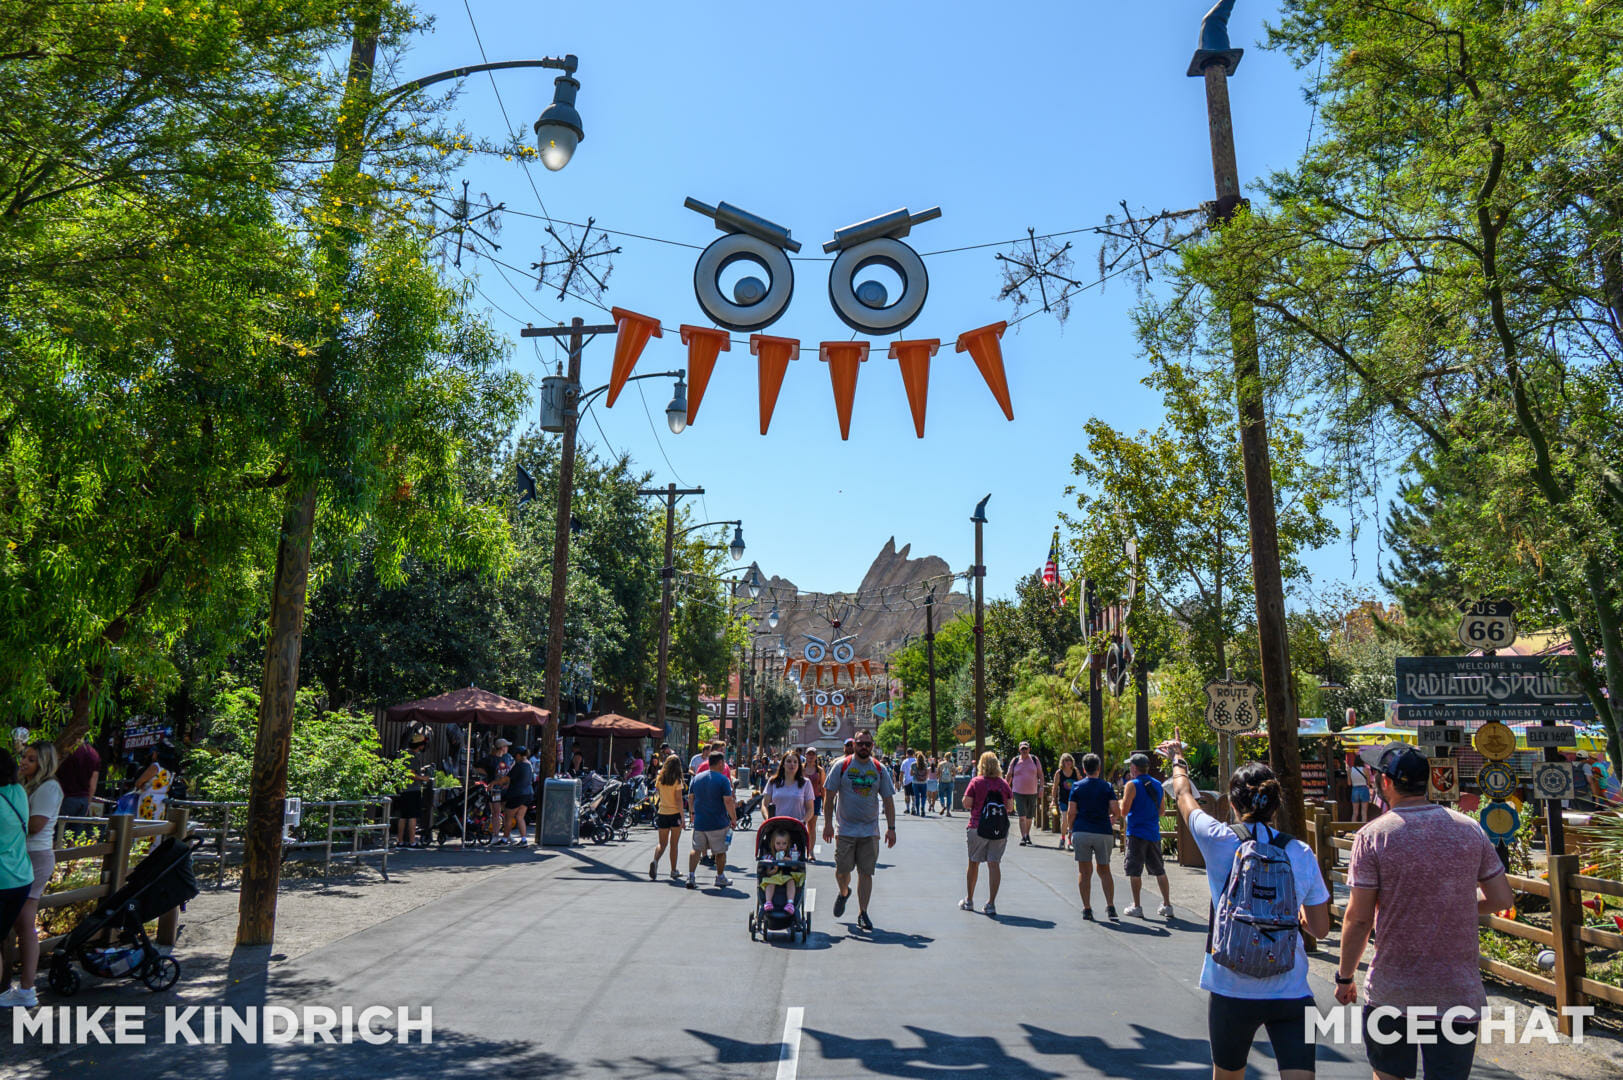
(1487, 624)
(1231, 707)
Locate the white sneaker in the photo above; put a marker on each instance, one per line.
(723, 881)
(1134, 911)
(966, 904)
(17, 997)
(1165, 911)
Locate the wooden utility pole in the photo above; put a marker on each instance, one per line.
(667, 577)
(979, 572)
(1273, 645)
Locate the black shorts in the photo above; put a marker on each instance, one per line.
(522, 803)
(1232, 1023)
(11, 904)
(1444, 1059)
(668, 821)
(1025, 805)
(408, 804)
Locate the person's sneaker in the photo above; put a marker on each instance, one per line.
(676, 875)
(1110, 912)
(1164, 911)
(723, 881)
(524, 841)
(990, 909)
(863, 922)
(653, 870)
(17, 997)
(839, 904)
(1134, 911)
(966, 904)
(692, 884)
(500, 841)
(1087, 914)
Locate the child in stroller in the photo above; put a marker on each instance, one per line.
(780, 871)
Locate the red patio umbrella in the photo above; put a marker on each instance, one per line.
(611, 726)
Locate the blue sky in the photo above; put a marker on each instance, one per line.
(820, 115)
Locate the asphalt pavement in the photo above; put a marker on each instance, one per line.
(573, 964)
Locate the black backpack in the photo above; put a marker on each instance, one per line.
(994, 823)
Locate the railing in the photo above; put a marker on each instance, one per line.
(1562, 885)
(348, 830)
(114, 849)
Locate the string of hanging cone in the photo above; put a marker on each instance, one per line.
(844, 359)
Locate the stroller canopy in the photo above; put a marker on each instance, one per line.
(796, 829)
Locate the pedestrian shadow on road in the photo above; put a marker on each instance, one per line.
(938, 1055)
(1024, 921)
(737, 1051)
(1165, 1054)
(1137, 926)
(599, 867)
(881, 936)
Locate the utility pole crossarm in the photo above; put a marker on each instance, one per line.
(565, 331)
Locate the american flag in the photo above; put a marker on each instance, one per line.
(1051, 567)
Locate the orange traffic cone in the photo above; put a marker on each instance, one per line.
(914, 358)
(630, 339)
(704, 344)
(844, 359)
(985, 346)
(774, 354)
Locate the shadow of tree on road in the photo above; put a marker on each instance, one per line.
(938, 1056)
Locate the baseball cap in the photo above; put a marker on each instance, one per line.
(503, 742)
(1398, 760)
(1025, 745)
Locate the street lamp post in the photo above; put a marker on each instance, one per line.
(979, 572)
(667, 574)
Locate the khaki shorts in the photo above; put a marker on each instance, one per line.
(983, 850)
(714, 841)
(1143, 853)
(1094, 846)
(860, 852)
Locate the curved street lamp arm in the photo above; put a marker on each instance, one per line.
(586, 399)
(566, 64)
(707, 524)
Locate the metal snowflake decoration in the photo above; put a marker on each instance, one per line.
(472, 223)
(1037, 263)
(574, 270)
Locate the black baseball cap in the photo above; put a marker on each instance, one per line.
(1401, 761)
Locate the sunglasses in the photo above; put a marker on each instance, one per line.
(864, 744)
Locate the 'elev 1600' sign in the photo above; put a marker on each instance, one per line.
(1483, 680)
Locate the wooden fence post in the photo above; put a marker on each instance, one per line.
(1566, 915)
(169, 921)
(1324, 843)
(116, 863)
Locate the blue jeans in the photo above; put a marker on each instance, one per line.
(918, 797)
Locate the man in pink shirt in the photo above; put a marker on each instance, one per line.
(1026, 778)
(1420, 875)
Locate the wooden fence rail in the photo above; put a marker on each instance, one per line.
(115, 850)
(1563, 886)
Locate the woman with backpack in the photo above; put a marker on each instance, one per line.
(1266, 891)
(987, 799)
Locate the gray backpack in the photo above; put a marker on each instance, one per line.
(1255, 925)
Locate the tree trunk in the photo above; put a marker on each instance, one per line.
(262, 859)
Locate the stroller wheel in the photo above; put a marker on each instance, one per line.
(602, 834)
(63, 979)
(752, 926)
(162, 973)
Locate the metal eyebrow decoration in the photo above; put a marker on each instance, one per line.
(867, 307)
(755, 304)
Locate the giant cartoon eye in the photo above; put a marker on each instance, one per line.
(754, 303)
(821, 698)
(837, 698)
(844, 652)
(816, 649)
(864, 304)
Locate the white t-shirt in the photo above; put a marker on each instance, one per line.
(1218, 844)
(696, 760)
(1360, 778)
(907, 770)
(45, 802)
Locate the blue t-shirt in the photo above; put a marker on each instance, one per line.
(1091, 796)
(520, 781)
(709, 792)
(1144, 816)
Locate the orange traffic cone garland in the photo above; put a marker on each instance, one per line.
(914, 358)
(985, 347)
(844, 359)
(704, 344)
(774, 354)
(629, 341)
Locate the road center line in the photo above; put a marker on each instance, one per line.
(789, 1062)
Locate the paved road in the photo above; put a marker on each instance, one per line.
(573, 964)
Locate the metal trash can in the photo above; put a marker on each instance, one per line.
(741, 776)
(960, 784)
(560, 813)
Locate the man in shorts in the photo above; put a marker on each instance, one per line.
(1026, 778)
(1427, 873)
(1141, 807)
(1087, 819)
(715, 812)
(853, 792)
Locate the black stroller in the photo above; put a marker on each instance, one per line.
(746, 813)
(448, 818)
(160, 882)
(607, 814)
(778, 921)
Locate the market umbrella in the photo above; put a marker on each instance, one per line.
(611, 726)
(469, 706)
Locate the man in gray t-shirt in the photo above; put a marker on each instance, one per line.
(853, 792)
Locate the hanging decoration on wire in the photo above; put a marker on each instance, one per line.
(1037, 263)
(579, 266)
(866, 306)
(472, 222)
(755, 304)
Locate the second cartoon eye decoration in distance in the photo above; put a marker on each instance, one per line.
(862, 304)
